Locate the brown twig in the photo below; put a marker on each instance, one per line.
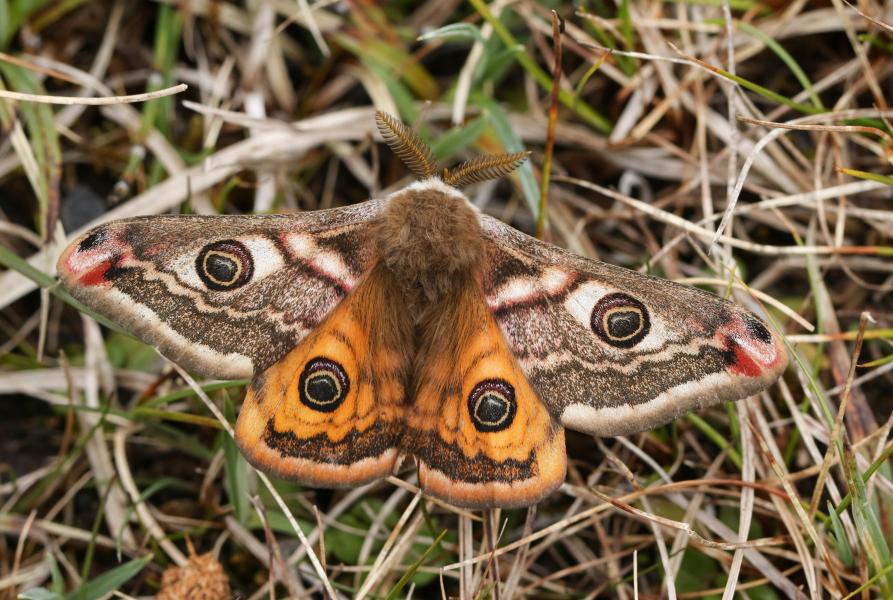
(542, 215)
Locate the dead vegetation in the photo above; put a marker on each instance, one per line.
(737, 145)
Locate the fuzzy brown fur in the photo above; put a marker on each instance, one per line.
(430, 241)
(446, 328)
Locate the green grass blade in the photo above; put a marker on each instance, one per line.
(393, 61)
(39, 594)
(159, 113)
(874, 545)
(447, 146)
(870, 582)
(885, 360)
(109, 581)
(401, 583)
(460, 31)
(587, 113)
(733, 4)
(626, 25)
(188, 392)
(512, 143)
(236, 469)
(57, 585)
(626, 63)
(870, 176)
(12, 261)
(716, 437)
(578, 90)
(763, 91)
(495, 64)
(14, 14)
(40, 124)
(784, 55)
(841, 543)
(879, 462)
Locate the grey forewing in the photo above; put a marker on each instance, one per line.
(564, 361)
(226, 332)
(260, 321)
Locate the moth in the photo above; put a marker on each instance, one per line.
(414, 326)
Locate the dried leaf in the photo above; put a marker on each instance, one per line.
(202, 577)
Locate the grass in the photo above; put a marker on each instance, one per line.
(116, 466)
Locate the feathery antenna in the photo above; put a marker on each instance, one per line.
(406, 144)
(482, 168)
(420, 160)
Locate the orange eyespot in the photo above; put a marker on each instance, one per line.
(224, 265)
(620, 320)
(323, 385)
(492, 405)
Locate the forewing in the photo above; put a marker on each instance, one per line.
(164, 278)
(611, 351)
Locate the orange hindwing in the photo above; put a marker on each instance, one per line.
(331, 412)
(480, 434)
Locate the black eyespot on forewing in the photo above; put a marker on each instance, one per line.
(756, 328)
(224, 265)
(323, 385)
(492, 405)
(620, 320)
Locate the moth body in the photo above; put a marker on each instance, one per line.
(414, 326)
(429, 237)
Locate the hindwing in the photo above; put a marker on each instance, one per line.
(330, 413)
(479, 433)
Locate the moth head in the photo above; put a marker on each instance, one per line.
(416, 155)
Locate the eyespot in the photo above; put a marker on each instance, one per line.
(492, 405)
(620, 320)
(224, 265)
(323, 385)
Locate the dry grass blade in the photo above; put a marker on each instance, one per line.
(314, 561)
(406, 144)
(69, 100)
(766, 115)
(484, 168)
(543, 215)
